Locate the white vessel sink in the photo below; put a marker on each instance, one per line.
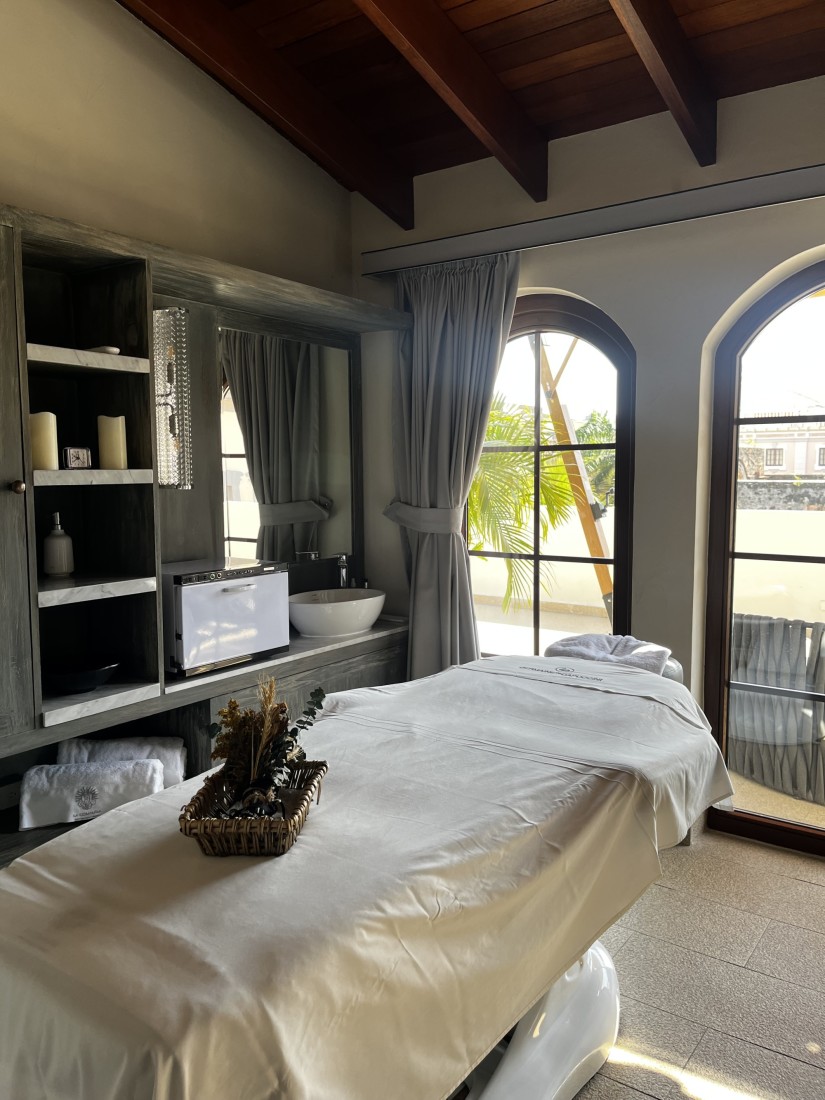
(335, 612)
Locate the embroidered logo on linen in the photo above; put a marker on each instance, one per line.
(86, 797)
(565, 669)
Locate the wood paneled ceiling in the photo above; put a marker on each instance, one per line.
(379, 91)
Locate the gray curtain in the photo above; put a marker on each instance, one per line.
(449, 360)
(275, 389)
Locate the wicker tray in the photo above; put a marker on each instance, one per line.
(259, 836)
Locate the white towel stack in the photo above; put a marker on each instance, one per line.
(91, 777)
(169, 750)
(55, 793)
(621, 649)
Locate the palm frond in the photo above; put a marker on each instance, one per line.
(600, 465)
(500, 506)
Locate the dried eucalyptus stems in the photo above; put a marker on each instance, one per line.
(259, 746)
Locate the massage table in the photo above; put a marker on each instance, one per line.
(478, 830)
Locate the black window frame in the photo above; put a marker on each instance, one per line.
(721, 546)
(536, 313)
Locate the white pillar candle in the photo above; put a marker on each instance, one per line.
(43, 430)
(111, 440)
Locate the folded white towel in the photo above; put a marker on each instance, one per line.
(53, 793)
(619, 648)
(169, 750)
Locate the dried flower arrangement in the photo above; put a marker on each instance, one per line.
(259, 746)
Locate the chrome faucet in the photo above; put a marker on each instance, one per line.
(343, 571)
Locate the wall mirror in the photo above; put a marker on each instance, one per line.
(290, 446)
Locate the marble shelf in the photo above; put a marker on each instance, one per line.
(57, 591)
(114, 694)
(92, 477)
(73, 358)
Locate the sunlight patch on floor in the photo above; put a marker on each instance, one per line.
(692, 1084)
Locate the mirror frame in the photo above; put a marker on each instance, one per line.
(351, 343)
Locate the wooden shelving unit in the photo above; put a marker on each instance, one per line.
(14, 843)
(65, 288)
(108, 611)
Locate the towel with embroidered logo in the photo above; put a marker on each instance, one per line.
(51, 794)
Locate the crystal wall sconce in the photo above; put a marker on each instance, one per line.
(173, 398)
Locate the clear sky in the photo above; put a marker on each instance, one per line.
(783, 370)
(588, 382)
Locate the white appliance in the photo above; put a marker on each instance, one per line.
(219, 614)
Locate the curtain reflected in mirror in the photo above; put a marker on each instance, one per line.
(286, 447)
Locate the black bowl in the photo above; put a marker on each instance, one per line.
(72, 679)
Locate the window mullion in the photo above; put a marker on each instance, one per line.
(536, 493)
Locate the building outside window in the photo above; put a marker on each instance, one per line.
(548, 513)
(241, 515)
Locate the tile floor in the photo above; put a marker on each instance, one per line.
(722, 975)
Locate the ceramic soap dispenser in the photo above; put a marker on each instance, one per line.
(58, 556)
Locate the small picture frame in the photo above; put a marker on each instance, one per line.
(77, 458)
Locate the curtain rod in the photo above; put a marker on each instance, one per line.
(751, 193)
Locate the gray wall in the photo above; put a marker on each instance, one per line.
(104, 123)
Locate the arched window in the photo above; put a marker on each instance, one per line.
(765, 622)
(549, 512)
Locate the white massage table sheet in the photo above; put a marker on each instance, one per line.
(477, 831)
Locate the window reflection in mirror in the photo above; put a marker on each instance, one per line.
(335, 535)
(241, 510)
(241, 516)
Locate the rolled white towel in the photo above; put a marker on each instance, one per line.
(54, 793)
(169, 750)
(621, 649)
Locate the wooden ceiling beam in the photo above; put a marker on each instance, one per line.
(666, 53)
(440, 53)
(216, 40)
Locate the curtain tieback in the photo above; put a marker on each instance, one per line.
(294, 511)
(435, 521)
